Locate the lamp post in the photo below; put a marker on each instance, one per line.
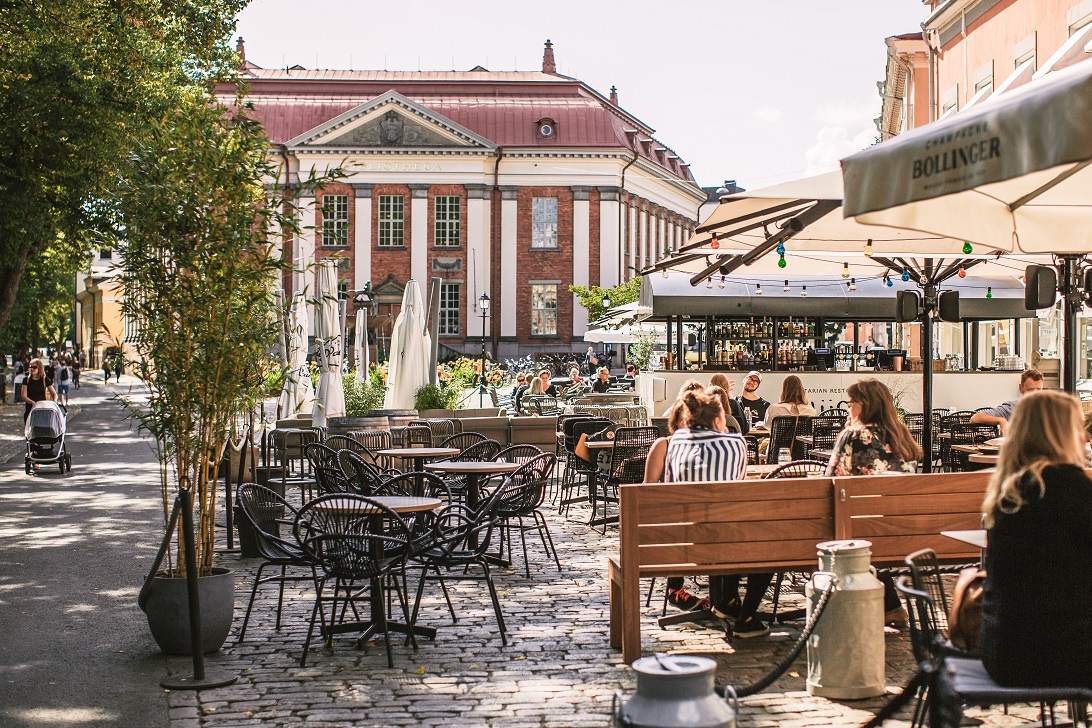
(483, 306)
(362, 299)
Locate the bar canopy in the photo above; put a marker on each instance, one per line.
(873, 299)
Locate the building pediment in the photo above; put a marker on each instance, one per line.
(389, 121)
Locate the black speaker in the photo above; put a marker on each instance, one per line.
(1040, 287)
(948, 306)
(907, 306)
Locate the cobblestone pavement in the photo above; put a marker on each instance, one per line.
(557, 670)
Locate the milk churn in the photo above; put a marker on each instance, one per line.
(675, 691)
(846, 650)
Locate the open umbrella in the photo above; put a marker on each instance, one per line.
(1011, 174)
(298, 395)
(409, 354)
(330, 397)
(361, 345)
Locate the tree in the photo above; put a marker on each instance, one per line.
(81, 82)
(592, 298)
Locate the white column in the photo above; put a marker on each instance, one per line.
(362, 237)
(610, 241)
(478, 249)
(419, 235)
(661, 228)
(644, 243)
(632, 242)
(581, 254)
(509, 235)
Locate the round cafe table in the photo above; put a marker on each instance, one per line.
(400, 505)
(419, 454)
(473, 470)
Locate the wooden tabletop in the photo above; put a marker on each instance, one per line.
(420, 452)
(599, 444)
(975, 536)
(489, 466)
(397, 503)
(759, 430)
(984, 458)
(759, 471)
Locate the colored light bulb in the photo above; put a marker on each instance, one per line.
(989, 292)
(845, 270)
(780, 248)
(906, 275)
(962, 273)
(781, 261)
(868, 248)
(967, 248)
(713, 242)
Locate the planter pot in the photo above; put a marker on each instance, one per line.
(168, 611)
(346, 425)
(395, 417)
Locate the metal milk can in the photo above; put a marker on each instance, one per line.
(846, 650)
(675, 691)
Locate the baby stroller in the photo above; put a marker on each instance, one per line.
(45, 431)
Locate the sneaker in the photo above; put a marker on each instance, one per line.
(897, 618)
(683, 599)
(749, 627)
(729, 611)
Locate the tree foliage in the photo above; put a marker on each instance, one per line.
(81, 83)
(43, 310)
(194, 222)
(591, 298)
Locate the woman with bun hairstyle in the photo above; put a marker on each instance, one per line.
(1036, 627)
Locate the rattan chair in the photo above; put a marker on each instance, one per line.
(627, 464)
(462, 440)
(527, 492)
(783, 434)
(797, 469)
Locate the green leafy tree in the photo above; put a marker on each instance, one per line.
(591, 298)
(200, 270)
(81, 84)
(43, 310)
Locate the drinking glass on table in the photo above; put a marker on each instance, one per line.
(784, 456)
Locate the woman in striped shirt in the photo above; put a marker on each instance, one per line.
(703, 450)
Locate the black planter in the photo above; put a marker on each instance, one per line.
(168, 611)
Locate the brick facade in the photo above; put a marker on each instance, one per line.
(550, 264)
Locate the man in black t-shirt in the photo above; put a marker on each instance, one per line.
(754, 406)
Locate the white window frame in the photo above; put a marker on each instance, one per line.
(543, 228)
(392, 221)
(447, 226)
(543, 317)
(450, 308)
(335, 221)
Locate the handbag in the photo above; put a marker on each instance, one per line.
(966, 613)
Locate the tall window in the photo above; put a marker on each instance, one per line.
(543, 222)
(447, 220)
(392, 220)
(544, 309)
(449, 309)
(335, 220)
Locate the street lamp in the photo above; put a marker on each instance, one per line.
(606, 301)
(483, 306)
(362, 299)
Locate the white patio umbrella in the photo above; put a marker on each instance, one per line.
(627, 313)
(1012, 174)
(409, 354)
(627, 334)
(298, 395)
(361, 346)
(330, 397)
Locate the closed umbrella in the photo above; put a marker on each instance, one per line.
(1012, 174)
(409, 355)
(298, 395)
(330, 398)
(361, 346)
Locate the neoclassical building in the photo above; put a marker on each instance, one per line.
(513, 184)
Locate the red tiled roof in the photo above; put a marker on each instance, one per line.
(503, 107)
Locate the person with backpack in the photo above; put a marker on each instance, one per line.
(76, 367)
(64, 379)
(118, 367)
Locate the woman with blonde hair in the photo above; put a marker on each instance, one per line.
(734, 409)
(1036, 628)
(793, 402)
(36, 387)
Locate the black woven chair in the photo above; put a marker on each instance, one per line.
(517, 454)
(562, 446)
(462, 440)
(352, 539)
(783, 434)
(327, 471)
(417, 434)
(373, 440)
(458, 539)
(967, 677)
(627, 464)
(797, 469)
(588, 470)
(835, 412)
(361, 475)
(527, 492)
(752, 449)
(265, 513)
(441, 428)
(968, 434)
(287, 447)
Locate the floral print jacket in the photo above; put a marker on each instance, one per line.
(861, 451)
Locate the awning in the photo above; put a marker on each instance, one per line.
(873, 299)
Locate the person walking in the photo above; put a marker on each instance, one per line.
(118, 367)
(63, 381)
(36, 388)
(105, 370)
(76, 367)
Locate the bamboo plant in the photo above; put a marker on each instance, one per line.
(199, 221)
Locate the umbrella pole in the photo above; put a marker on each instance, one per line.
(930, 291)
(1069, 287)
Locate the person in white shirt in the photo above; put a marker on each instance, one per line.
(793, 403)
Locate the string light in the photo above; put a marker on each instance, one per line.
(967, 247)
(852, 285)
(962, 272)
(721, 284)
(803, 292)
(989, 291)
(887, 280)
(713, 242)
(845, 270)
(758, 289)
(709, 284)
(905, 274)
(786, 288)
(868, 248)
(780, 248)
(781, 261)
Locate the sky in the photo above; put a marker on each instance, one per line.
(758, 92)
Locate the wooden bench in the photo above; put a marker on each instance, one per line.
(686, 529)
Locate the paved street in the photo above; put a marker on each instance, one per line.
(73, 552)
